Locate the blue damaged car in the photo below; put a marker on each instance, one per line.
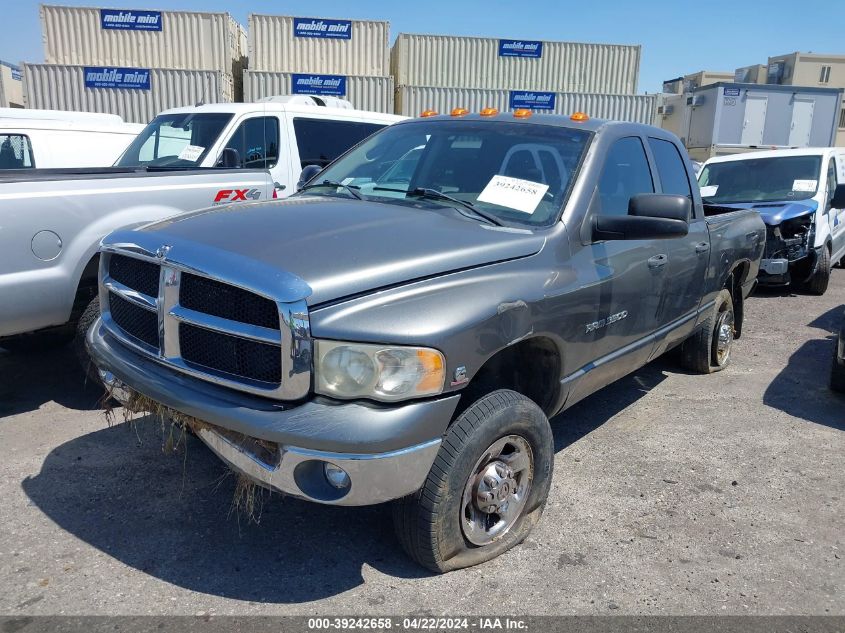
(800, 194)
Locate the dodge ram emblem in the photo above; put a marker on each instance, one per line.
(162, 251)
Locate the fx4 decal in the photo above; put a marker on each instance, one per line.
(235, 195)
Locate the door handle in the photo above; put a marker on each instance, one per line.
(657, 261)
(279, 187)
(702, 247)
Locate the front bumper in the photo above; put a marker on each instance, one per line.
(387, 451)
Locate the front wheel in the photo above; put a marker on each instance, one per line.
(487, 488)
(708, 349)
(820, 279)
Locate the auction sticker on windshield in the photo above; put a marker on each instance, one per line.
(709, 190)
(804, 185)
(191, 152)
(514, 193)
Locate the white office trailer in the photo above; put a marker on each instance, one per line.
(413, 100)
(727, 118)
(11, 86)
(136, 95)
(364, 92)
(493, 63)
(284, 43)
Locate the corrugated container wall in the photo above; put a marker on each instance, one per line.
(273, 46)
(473, 62)
(187, 41)
(411, 100)
(56, 87)
(365, 93)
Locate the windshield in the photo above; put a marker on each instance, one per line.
(516, 172)
(175, 140)
(775, 179)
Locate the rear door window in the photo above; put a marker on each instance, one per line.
(626, 173)
(16, 152)
(670, 167)
(320, 141)
(257, 142)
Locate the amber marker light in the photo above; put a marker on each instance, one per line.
(488, 112)
(460, 112)
(522, 113)
(428, 113)
(580, 117)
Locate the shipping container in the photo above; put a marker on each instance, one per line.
(58, 87)
(729, 117)
(412, 100)
(148, 39)
(474, 62)
(365, 93)
(11, 86)
(318, 45)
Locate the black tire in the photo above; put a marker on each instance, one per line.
(819, 280)
(702, 352)
(837, 372)
(86, 320)
(38, 341)
(430, 524)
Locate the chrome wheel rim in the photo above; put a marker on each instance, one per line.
(724, 337)
(497, 489)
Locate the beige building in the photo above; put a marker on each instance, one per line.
(810, 69)
(690, 82)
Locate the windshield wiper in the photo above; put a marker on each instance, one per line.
(433, 194)
(339, 185)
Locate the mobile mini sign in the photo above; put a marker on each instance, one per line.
(329, 29)
(520, 48)
(130, 20)
(329, 85)
(123, 78)
(532, 100)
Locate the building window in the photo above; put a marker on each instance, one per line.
(824, 76)
(842, 118)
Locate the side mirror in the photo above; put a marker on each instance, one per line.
(229, 159)
(308, 173)
(838, 199)
(660, 205)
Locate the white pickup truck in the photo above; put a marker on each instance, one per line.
(51, 221)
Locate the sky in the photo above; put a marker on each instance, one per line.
(677, 38)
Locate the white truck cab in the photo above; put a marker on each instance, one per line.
(55, 138)
(282, 134)
(800, 194)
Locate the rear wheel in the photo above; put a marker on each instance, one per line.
(708, 349)
(487, 488)
(819, 280)
(837, 372)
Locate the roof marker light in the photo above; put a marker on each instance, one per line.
(489, 112)
(580, 117)
(522, 113)
(428, 113)
(460, 112)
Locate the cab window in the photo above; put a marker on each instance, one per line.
(15, 152)
(257, 142)
(320, 141)
(670, 167)
(626, 173)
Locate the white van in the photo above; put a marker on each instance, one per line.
(280, 134)
(800, 194)
(54, 138)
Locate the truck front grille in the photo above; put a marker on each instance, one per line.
(136, 274)
(210, 329)
(230, 354)
(136, 321)
(227, 302)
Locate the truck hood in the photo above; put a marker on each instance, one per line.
(775, 213)
(344, 247)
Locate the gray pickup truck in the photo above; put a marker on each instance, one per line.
(404, 327)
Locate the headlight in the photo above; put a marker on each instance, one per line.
(353, 370)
